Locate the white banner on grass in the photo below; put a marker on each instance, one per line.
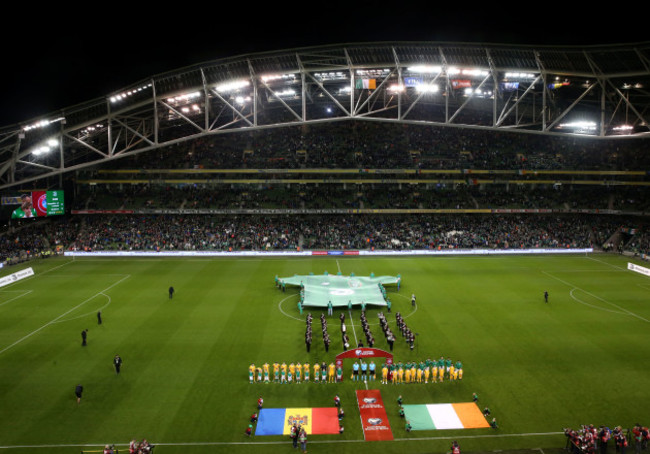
(638, 268)
(11, 278)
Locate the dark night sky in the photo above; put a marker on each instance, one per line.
(63, 59)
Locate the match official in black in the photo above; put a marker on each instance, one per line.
(171, 292)
(78, 390)
(117, 362)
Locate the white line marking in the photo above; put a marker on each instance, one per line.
(311, 441)
(39, 274)
(356, 342)
(597, 297)
(606, 263)
(27, 292)
(87, 313)
(591, 305)
(338, 265)
(62, 315)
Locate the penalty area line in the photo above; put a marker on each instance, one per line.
(62, 315)
(282, 442)
(597, 297)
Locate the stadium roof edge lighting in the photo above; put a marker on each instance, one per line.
(460, 85)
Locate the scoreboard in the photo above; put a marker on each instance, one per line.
(36, 204)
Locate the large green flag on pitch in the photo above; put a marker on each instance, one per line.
(341, 290)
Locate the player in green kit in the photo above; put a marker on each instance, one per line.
(459, 370)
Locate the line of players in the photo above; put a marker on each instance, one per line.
(435, 371)
(295, 373)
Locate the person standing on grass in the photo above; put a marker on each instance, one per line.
(171, 292)
(302, 438)
(99, 317)
(78, 391)
(546, 297)
(84, 335)
(117, 362)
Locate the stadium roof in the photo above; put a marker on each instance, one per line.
(599, 91)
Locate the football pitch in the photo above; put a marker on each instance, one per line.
(581, 358)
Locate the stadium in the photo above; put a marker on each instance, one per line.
(399, 205)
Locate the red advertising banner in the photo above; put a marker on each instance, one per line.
(373, 416)
(364, 352)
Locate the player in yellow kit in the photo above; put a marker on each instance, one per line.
(400, 375)
(427, 374)
(384, 374)
(251, 373)
(407, 375)
(276, 372)
(305, 369)
(419, 375)
(316, 372)
(331, 376)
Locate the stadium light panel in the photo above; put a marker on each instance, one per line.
(474, 72)
(42, 124)
(425, 69)
(428, 88)
(232, 86)
(125, 94)
(286, 93)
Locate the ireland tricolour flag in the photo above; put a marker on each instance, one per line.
(445, 416)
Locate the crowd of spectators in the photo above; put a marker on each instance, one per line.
(146, 197)
(196, 232)
(589, 439)
(359, 144)
(371, 150)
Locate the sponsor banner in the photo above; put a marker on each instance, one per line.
(374, 210)
(102, 211)
(373, 416)
(11, 278)
(315, 253)
(315, 421)
(638, 268)
(364, 352)
(184, 253)
(465, 415)
(461, 83)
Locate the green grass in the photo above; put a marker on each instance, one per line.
(582, 358)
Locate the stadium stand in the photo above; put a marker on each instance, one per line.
(354, 186)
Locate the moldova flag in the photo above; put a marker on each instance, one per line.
(316, 421)
(445, 416)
